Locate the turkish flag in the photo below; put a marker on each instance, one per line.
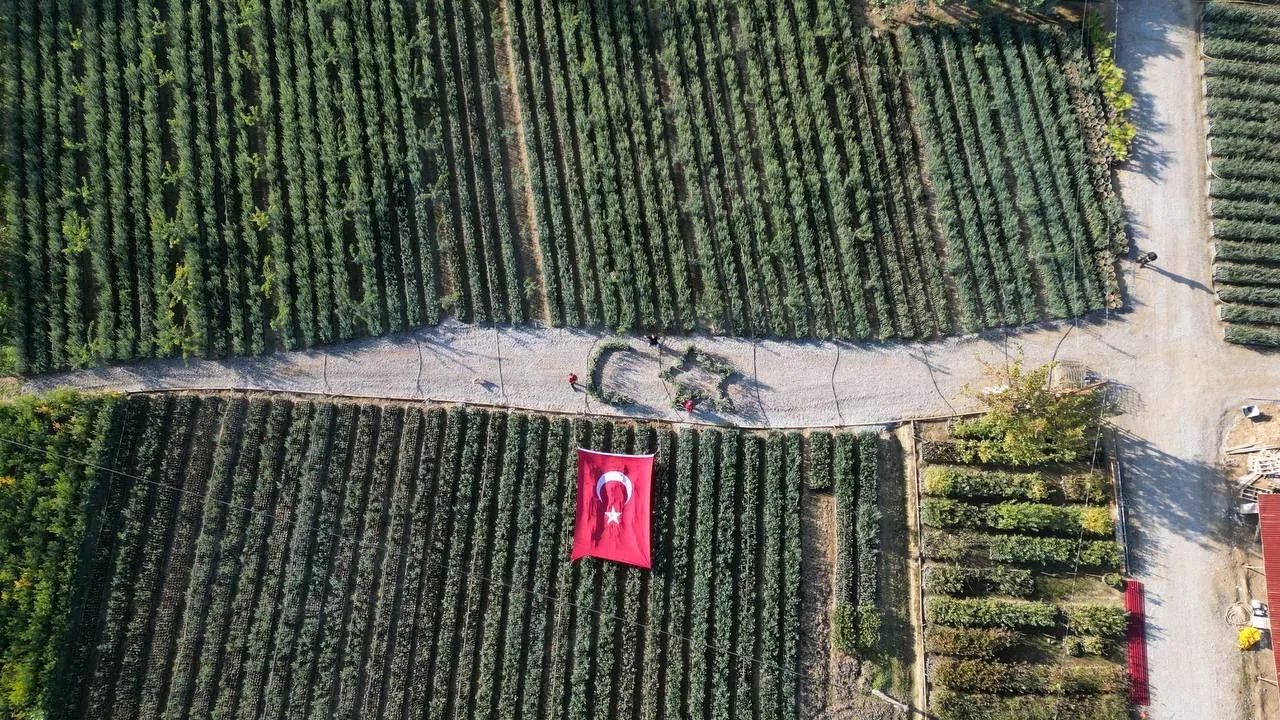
(613, 508)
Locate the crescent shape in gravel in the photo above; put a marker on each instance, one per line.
(614, 476)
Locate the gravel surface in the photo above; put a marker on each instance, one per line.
(1178, 381)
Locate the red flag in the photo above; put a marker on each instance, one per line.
(613, 507)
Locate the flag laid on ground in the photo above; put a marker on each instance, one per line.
(613, 508)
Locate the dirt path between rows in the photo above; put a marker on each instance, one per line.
(530, 254)
(910, 475)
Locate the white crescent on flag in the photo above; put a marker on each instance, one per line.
(613, 476)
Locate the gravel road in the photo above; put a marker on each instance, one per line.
(1178, 381)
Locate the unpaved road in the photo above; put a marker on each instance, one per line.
(1178, 380)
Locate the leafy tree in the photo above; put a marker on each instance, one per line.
(1027, 421)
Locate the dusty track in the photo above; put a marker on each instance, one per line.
(1177, 379)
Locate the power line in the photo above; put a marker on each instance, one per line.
(550, 599)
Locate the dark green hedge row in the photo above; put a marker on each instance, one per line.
(820, 476)
(967, 581)
(868, 540)
(846, 571)
(855, 480)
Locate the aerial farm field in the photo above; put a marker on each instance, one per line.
(1023, 609)
(1242, 67)
(224, 177)
(649, 230)
(258, 557)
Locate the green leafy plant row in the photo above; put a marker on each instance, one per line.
(968, 581)
(1054, 552)
(229, 513)
(984, 643)
(984, 613)
(952, 705)
(1022, 517)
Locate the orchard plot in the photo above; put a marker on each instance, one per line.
(227, 177)
(1242, 69)
(267, 558)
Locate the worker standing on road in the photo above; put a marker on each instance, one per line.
(1146, 259)
(653, 340)
(573, 381)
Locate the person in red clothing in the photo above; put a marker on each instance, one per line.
(573, 380)
(688, 406)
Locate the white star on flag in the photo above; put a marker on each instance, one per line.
(612, 516)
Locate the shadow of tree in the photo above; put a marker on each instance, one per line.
(1173, 495)
(1144, 34)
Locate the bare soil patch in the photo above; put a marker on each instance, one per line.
(817, 576)
(529, 243)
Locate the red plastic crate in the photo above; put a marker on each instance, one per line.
(1136, 643)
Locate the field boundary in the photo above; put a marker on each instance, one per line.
(887, 424)
(920, 671)
(1122, 513)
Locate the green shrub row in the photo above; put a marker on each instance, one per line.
(819, 447)
(1243, 70)
(951, 546)
(985, 643)
(1249, 314)
(1025, 678)
(1246, 231)
(1054, 552)
(1091, 488)
(969, 581)
(1246, 274)
(1219, 16)
(1251, 210)
(1241, 109)
(1023, 517)
(1229, 49)
(952, 705)
(971, 483)
(987, 613)
(868, 540)
(857, 621)
(1245, 190)
(1253, 335)
(1108, 621)
(1078, 645)
(1225, 86)
(846, 541)
(1249, 295)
